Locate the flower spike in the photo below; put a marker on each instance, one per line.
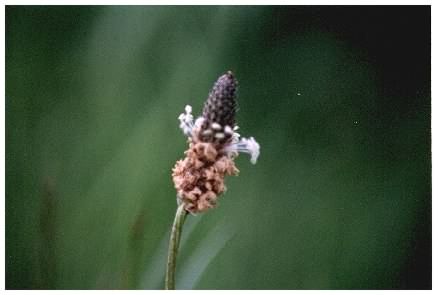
(213, 146)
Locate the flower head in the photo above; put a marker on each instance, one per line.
(213, 145)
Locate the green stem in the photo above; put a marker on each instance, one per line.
(175, 238)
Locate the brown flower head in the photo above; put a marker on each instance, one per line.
(213, 145)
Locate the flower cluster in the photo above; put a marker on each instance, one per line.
(213, 145)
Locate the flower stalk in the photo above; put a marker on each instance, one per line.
(213, 145)
(175, 238)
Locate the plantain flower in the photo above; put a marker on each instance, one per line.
(213, 145)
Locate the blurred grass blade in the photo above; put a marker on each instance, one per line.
(194, 267)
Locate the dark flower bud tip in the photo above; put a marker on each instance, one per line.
(220, 108)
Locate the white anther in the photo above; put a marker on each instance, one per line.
(228, 130)
(216, 126)
(219, 135)
(207, 132)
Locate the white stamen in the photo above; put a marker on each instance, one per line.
(216, 126)
(207, 132)
(235, 138)
(236, 146)
(228, 130)
(219, 135)
(249, 146)
(186, 120)
(188, 109)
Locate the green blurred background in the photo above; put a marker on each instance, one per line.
(337, 97)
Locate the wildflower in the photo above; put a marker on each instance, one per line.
(213, 145)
